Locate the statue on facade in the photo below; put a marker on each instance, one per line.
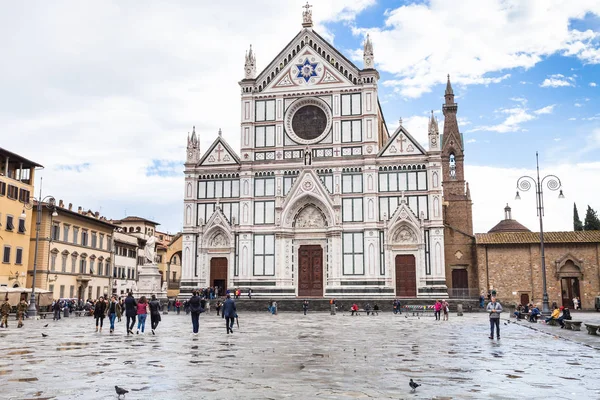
(149, 250)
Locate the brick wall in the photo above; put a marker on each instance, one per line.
(516, 268)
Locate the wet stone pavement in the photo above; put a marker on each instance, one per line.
(297, 357)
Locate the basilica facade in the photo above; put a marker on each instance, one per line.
(321, 200)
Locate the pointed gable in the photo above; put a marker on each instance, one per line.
(307, 60)
(219, 153)
(307, 184)
(401, 144)
(404, 227)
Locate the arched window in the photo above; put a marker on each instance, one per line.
(452, 165)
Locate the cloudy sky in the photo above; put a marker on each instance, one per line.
(103, 94)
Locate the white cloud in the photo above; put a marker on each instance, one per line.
(545, 110)
(572, 119)
(471, 141)
(593, 84)
(421, 42)
(491, 188)
(557, 139)
(512, 123)
(578, 105)
(558, 80)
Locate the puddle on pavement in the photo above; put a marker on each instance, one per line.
(95, 373)
(5, 371)
(23, 380)
(513, 376)
(19, 352)
(569, 378)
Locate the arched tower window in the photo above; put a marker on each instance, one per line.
(452, 165)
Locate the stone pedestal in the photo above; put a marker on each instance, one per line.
(149, 283)
(459, 309)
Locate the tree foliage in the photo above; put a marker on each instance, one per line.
(591, 223)
(577, 224)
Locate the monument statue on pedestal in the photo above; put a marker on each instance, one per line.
(149, 278)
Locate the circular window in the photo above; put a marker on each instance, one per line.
(309, 122)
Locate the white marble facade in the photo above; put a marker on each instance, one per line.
(321, 199)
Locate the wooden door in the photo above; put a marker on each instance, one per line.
(218, 273)
(406, 276)
(524, 299)
(570, 289)
(460, 282)
(310, 276)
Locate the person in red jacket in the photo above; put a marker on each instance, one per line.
(354, 308)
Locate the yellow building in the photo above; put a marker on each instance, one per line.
(75, 253)
(16, 187)
(172, 263)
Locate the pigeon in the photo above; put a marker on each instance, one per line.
(44, 335)
(45, 326)
(413, 385)
(120, 391)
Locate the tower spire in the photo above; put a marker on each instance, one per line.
(193, 147)
(449, 93)
(307, 16)
(368, 57)
(250, 65)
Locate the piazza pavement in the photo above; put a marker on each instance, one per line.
(292, 356)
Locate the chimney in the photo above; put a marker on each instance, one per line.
(61, 204)
(97, 214)
(70, 206)
(79, 209)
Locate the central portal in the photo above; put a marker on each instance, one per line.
(310, 276)
(218, 273)
(406, 276)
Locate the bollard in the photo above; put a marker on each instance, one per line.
(459, 310)
(165, 309)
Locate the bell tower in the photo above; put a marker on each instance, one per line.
(460, 254)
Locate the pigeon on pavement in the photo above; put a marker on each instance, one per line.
(413, 385)
(44, 335)
(120, 391)
(45, 326)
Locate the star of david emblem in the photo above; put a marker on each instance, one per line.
(307, 70)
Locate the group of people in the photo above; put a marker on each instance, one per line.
(198, 305)
(439, 307)
(6, 308)
(556, 315)
(368, 309)
(133, 309)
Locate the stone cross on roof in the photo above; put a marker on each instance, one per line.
(307, 16)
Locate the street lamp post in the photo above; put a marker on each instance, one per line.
(552, 182)
(50, 203)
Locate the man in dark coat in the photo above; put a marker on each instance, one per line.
(229, 313)
(130, 312)
(195, 307)
(154, 312)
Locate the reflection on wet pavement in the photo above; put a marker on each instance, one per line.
(297, 357)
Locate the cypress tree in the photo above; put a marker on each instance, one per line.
(577, 224)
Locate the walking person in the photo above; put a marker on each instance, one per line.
(5, 311)
(56, 308)
(305, 306)
(177, 305)
(332, 306)
(100, 312)
(195, 307)
(142, 313)
(250, 293)
(575, 303)
(481, 300)
(229, 313)
(154, 306)
(218, 306)
(445, 309)
(437, 308)
(494, 308)
(21, 310)
(130, 312)
(114, 311)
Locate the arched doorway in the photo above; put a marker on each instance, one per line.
(406, 276)
(460, 282)
(218, 273)
(569, 272)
